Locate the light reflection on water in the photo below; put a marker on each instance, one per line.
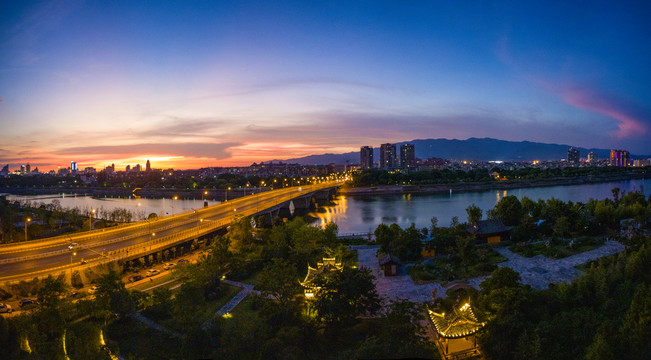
(361, 214)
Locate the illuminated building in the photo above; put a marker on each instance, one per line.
(366, 157)
(22, 169)
(573, 156)
(324, 267)
(388, 156)
(456, 333)
(73, 166)
(619, 158)
(407, 156)
(592, 157)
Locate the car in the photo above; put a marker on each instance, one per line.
(72, 246)
(4, 308)
(25, 302)
(182, 261)
(134, 278)
(152, 272)
(93, 289)
(168, 266)
(73, 294)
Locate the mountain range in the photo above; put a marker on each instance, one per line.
(481, 149)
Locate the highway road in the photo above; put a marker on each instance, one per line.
(33, 258)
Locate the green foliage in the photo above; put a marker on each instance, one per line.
(604, 314)
(474, 214)
(344, 295)
(280, 281)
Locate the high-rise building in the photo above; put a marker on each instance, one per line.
(137, 168)
(366, 157)
(22, 169)
(5, 170)
(148, 166)
(128, 168)
(73, 166)
(387, 156)
(619, 158)
(592, 157)
(28, 168)
(407, 156)
(573, 156)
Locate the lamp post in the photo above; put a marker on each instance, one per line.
(26, 221)
(90, 219)
(226, 196)
(174, 198)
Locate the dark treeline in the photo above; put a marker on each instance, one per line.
(447, 176)
(155, 179)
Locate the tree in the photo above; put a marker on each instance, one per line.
(466, 249)
(280, 281)
(51, 291)
(474, 214)
(508, 210)
(344, 295)
(502, 277)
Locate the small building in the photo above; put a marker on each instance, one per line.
(489, 231)
(323, 267)
(389, 264)
(456, 333)
(428, 248)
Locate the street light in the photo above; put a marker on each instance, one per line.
(174, 198)
(227, 190)
(90, 219)
(26, 221)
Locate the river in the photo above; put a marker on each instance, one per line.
(363, 213)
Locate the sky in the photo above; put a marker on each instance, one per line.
(192, 84)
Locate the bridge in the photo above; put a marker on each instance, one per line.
(39, 258)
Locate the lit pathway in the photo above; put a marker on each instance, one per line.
(537, 271)
(229, 306)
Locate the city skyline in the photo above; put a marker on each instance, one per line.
(240, 82)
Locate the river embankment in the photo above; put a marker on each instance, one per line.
(493, 185)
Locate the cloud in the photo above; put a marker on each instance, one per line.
(205, 150)
(629, 117)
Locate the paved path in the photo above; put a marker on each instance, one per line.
(229, 306)
(537, 271)
(154, 325)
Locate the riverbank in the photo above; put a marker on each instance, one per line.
(495, 185)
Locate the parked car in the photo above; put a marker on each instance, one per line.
(25, 302)
(169, 266)
(73, 294)
(152, 272)
(92, 290)
(134, 278)
(182, 261)
(4, 308)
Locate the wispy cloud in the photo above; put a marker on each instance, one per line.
(205, 150)
(629, 117)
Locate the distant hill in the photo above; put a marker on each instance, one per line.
(484, 149)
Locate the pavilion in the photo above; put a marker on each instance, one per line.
(456, 333)
(323, 267)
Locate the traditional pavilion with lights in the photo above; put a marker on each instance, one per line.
(456, 333)
(323, 267)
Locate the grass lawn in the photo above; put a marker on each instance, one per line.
(443, 269)
(557, 248)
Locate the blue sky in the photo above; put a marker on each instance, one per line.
(192, 84)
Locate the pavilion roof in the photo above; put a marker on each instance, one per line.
(325, 266)
(459, 323)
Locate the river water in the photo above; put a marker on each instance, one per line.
(360, 213)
